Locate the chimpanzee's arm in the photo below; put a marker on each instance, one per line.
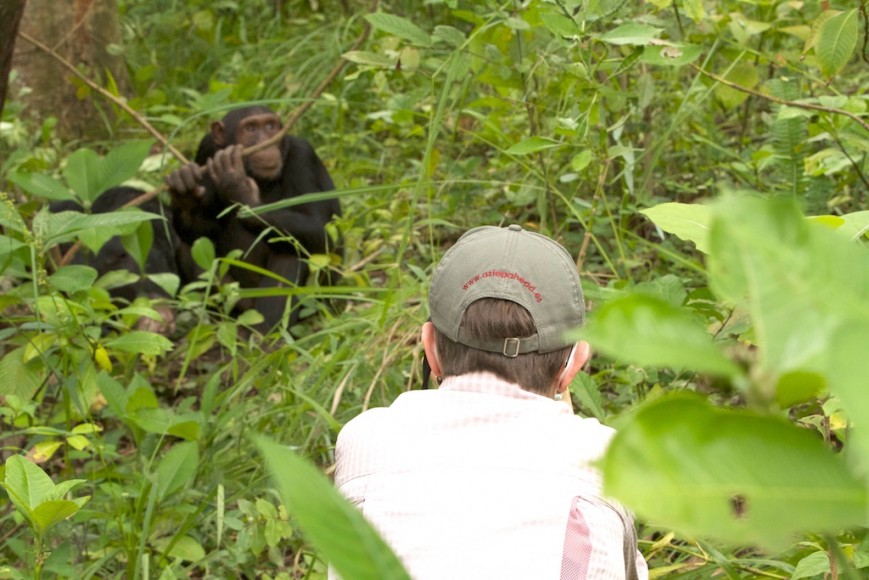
(303, 173)
(195, 204)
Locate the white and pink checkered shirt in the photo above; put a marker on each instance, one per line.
(481, 479)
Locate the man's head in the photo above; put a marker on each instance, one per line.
(501, 301)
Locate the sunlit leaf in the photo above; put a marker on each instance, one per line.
(659, 335)
(730, 474)
(687, 221)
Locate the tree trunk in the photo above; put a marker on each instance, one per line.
(10, 15)
(80, 31)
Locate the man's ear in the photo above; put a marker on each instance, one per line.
(218, 133)
(429, 344)
(580, 356)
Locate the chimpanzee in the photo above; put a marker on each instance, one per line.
(113, 256)
(200, 200)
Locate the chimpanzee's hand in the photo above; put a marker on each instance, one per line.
(227, 172)
(185, 185)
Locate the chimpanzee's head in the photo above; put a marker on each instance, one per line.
(248, 126)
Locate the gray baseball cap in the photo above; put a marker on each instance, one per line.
(511, 264)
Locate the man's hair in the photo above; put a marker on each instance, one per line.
(496, 318)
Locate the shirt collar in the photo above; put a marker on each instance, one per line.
(488, 383)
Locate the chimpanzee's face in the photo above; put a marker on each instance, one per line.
(266, 164)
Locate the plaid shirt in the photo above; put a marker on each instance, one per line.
(481, 479)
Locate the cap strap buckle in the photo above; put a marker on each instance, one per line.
(511, 347)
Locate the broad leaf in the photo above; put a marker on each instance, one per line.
(141, 342)
(138, 244)
(41, 185)
(364, 57)
(82, 173)
(687, 221)
(185, 548)
(19, 378)
(27, 485)
(807, 291)
(55, 511)
(451, 35)
(336, 529)
(648, 331)
(678, 55)
(73, 278)
(835, 42)
(177, 468)
(632, 33)
(732, 475)
(743, 74)
(101, 225)
(400, 27)
(532, 145)
(122, 163)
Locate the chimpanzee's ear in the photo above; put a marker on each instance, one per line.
(218, 132)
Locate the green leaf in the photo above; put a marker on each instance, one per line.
(141, 342)
(532, 145)
(19, 378)
(100, 226)
(122, 163)
(27, 485)
(687, 221)
(364, 57)
(400, 27)
(169, 283)
(813, 565)
(743, 74)
(55, 511)
(581, 160)
(138, 243)
(336, 529)
(835, 42)
(177, 468)
(41, 185)
(203, 253)
(9, 245)
(806, 288)
(678, 55)
(855, 225)
(632, 33)
(648, 331)
(73, 278)
(185, 548)
(559, 24)
(732, 475)
(82, 173)
(450, 35)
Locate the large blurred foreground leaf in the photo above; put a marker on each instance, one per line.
(336, 529)
(733, 475)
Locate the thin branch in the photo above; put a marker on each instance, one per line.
(787, 103)
(117, 101)
(297, 113)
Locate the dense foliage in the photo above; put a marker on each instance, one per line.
(673, 146)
